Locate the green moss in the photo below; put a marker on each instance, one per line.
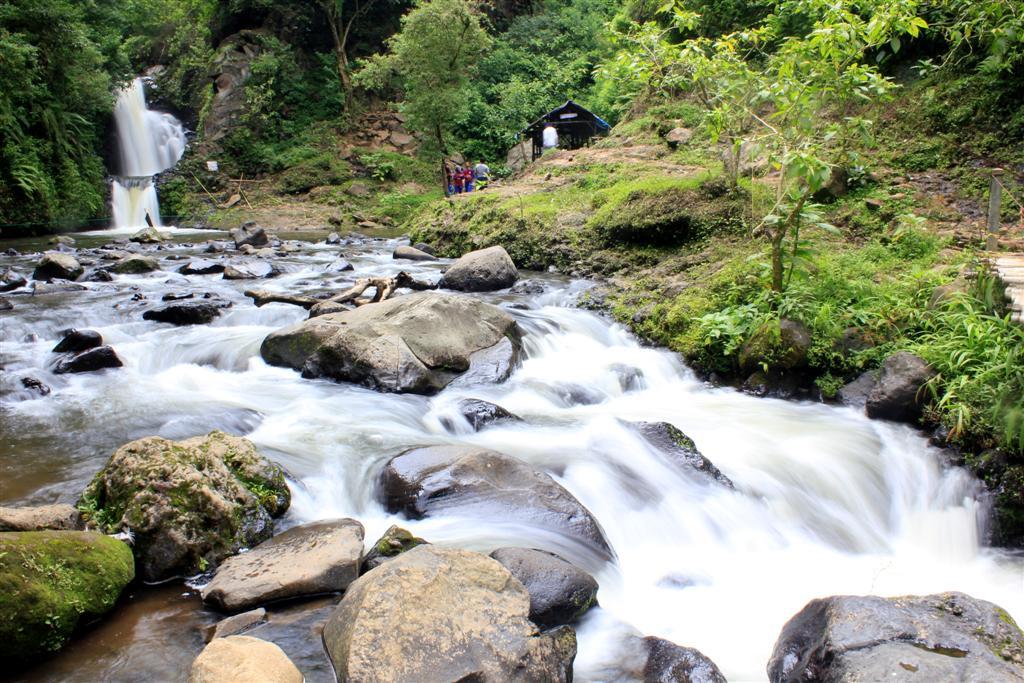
(51, 581)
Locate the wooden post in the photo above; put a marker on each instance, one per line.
(995, 197)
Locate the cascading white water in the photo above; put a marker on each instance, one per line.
(826, 501)
(149, 143)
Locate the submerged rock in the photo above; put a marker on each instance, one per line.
(560, 593)
(310, 559)
(484, 270)
(476, 482)
(99, 358)
(899, 392)
(11, 280)
(443, 615)
(242, 659)
(135, 264)
(393, 543)
(57, 266)
(680, 448)
(36, 385)
(671, 663)
(481, 414)
(55, 517)
(50, 582)
(944, 637)
(417, 343)
(188, 503)
(201, 266)
(188, 312)
(78, 340)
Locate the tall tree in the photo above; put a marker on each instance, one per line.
(341, 17)
(434, 55)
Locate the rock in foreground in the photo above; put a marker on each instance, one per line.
(99, 358)
(476, 482)
(57, 266)
(945, 637)
(680, 448)
(39, 518)
(435, 614)
(242, 659)
(560, 593)
(485, 270)
(417, 343)
(314, 558)
(188, 503)
(50, 581)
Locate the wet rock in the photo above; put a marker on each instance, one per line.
(480, 414)
(560, 593)
(310, 559)
(242, 659)
(250, 234)
(297, 628)
(99, 358)
(944, 637)
(485, 484)
(147, 236)
(33, 384)
(779, 346)
(899, 393)
(62, 240)
(201, 266)
(215, 247)
(774, 383)
(425, 248)
(333, 238)
(680, 448)
(671, 663)
(436, 614)
(235, 624)
(51, 582)
(418, 343)
(529, 287)
(412, 254)
(484, 270)
(55, 517)
(856, 393)
(250, 270)
(57, 266)
(99, 276)
(78, 340)
(11, 280)
(135, 264)
(189, 312)
(58, 287)
(188, 503)
(393, 543)
(338, 266)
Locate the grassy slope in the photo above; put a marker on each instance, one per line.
(682, 270)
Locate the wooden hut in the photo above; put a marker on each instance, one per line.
(575, 125)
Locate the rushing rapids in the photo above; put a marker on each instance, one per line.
(149, 143)
(826, 502)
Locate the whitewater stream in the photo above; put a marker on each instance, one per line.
(827, 502)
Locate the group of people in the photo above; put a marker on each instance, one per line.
(466, 178)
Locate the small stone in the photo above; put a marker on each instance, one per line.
(241, 659)
(35, 385)
(412, 254)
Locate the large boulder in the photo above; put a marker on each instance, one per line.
(189, 504)
(51, 581)
(899, 393)
(135, 264)
(484, 270)
(74, 341)
(779, 346)
(945, 637)
(148, 235)
(314, 558)
(680, 448)
(57, 266)
(484, 484)
(99, 358)
(417, 343)
(250, 234)
(57, 517)
(440, 615)
(193, 312)
(560, 593)
(243, 659)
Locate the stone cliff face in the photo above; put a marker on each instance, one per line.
(232, 68)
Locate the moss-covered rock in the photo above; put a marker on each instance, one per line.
(776, 345)
(188, 503)
(52, 581)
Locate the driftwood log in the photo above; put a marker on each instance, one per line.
(384, 288)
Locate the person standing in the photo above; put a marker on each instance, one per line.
(457, 179)
(482, 172)
(468, 176)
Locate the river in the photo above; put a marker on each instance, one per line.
(827, 501)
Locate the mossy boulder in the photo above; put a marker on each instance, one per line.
(53, 581)
(189, 504)
(776, 345)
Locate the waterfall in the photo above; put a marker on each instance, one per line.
(149, 142)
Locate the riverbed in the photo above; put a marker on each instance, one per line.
(826, 501)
